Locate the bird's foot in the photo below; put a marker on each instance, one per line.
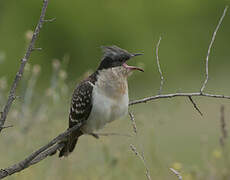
(94, 135)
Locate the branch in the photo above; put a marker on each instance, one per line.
(210, 47)
(189, 95)
(40, 154)
(6, 127)
(164, 96)
(24, 60)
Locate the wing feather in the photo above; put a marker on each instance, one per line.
(81, 103)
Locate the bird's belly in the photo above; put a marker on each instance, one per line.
(105, 110)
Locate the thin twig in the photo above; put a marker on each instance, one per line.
(176, 173)
(24, 60)
(210, 47)
(224, 132)
(159, 67)
(195, 106)
(142, 158)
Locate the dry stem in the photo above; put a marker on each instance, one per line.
(176, 173)
(224, 132)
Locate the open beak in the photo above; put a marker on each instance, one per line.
(131, 68)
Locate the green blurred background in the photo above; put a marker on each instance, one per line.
(171, 132)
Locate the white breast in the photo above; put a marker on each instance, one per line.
(108, 104)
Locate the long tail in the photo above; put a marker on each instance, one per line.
(70, 143)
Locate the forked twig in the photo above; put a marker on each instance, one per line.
(166, 96)
(201, 92)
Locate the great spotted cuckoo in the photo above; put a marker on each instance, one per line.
(102, 97)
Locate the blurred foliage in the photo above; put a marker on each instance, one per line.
(83, 26)
(171, 132)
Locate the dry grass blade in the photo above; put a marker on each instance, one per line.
(224, 132)
(133, 123)
(176, 173)
(142, 158)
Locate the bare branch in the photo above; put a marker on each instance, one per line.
(176, 173)
(195, 106)
(19, 74)
(210, 47)
(224, 132)
(164, 96)
(189, 95)
(40, 154)
(142, 158)
(159, 67)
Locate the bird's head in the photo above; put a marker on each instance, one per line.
(117, 57)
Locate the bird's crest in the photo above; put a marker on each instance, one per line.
(115, 53)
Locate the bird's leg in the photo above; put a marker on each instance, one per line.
(94, 135)
(91, 134)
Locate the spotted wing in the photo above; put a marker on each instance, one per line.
(81, 104)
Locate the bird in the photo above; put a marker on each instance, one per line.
(100, 98)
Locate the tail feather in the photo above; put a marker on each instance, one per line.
(69, 144)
